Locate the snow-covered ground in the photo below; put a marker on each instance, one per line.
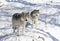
(48, 24)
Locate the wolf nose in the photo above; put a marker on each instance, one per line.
(26, 19)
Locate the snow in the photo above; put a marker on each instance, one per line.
(48, 24)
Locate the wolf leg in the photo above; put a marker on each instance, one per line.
(23, 29)
(13, 29)
(36, 24)
(17, 32)
(33, 24)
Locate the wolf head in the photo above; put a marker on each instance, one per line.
(26, 15)
(35, 13)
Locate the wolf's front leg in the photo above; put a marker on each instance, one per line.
(36, 24)
(23, 29)
(33, 24)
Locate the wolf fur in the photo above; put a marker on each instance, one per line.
(18, 21)
(34, 17)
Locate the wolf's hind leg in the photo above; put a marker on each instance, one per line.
(13, 29)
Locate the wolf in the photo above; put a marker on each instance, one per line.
(18, 21)
(34, 17)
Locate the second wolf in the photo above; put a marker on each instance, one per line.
(34, 17)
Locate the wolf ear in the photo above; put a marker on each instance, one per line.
(22, 13)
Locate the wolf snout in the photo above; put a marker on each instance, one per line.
(26, 20)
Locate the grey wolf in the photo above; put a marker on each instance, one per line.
(18, 21)
(34, 17)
